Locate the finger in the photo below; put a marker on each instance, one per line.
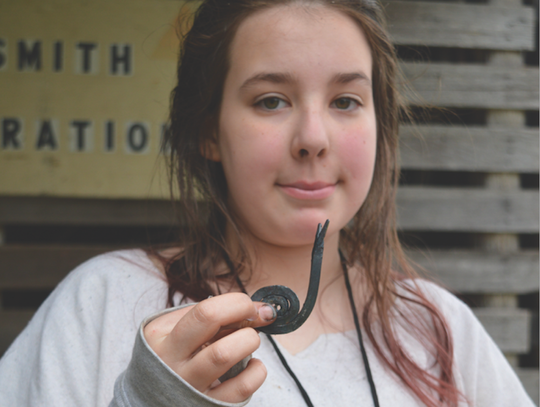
(203, 321)
(266, 314)
(160, 327)
(241, 387)
(157, 329)
(216, 359)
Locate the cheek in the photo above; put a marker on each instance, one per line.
(250, 152)
(357, 154)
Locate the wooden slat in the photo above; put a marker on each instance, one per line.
(11, 324)
(469, 148)
(71, 211)
(530, 378)
(481, 273)
(509, 327)
(467, 210)
(472, 86)
(40, 267)
(460, 25)
(443, 209)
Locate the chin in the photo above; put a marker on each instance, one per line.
(303, 231)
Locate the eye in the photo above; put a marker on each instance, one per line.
(271, 103)
(345, 103)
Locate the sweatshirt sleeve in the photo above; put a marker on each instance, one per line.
(149, 382)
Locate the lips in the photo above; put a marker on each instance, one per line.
(309, 190)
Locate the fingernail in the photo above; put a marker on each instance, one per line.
(267, 312)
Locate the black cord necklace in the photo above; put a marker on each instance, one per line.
(290, 317)
(359, 332)
(360, 340)
(303, 392)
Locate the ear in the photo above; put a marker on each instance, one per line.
(210, 149)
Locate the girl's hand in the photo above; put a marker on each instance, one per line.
(202, 342)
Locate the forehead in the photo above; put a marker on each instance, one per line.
(303, 38)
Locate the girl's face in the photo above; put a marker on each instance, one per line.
(297, 129)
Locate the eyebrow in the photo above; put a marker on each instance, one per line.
(267, 77)
(279, 78)
(344, 78)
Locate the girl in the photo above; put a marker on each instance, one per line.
(285, 115)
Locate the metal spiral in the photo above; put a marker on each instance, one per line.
(286, 302)
(283, 299)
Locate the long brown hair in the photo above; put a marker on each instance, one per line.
(371, 238)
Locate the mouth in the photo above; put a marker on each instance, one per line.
(304, 190)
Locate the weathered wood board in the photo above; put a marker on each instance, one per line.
(530, 378)
(11, 324)
(467, 209)
(41, 266)
(471, 85)
(469, 148)
(444, 24)
(467, 271)
(73, 211)
(509, 327)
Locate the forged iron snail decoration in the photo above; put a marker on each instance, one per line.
(285, 301)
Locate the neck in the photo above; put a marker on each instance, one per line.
(290, 266)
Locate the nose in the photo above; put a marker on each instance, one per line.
(311, 136)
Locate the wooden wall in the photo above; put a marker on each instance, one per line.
(468, 200)
(469, 194)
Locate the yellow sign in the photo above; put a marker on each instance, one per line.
(84, 96)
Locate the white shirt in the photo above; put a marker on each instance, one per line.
(82, 338)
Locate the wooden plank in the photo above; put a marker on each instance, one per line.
(460, 25)
(419, 208)
(467, 210)
(530, 378)
(41, 267)
(469, 272)
(474, 148)
(509, 327)
(472, 85)
(72, 211)
(11, 324)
